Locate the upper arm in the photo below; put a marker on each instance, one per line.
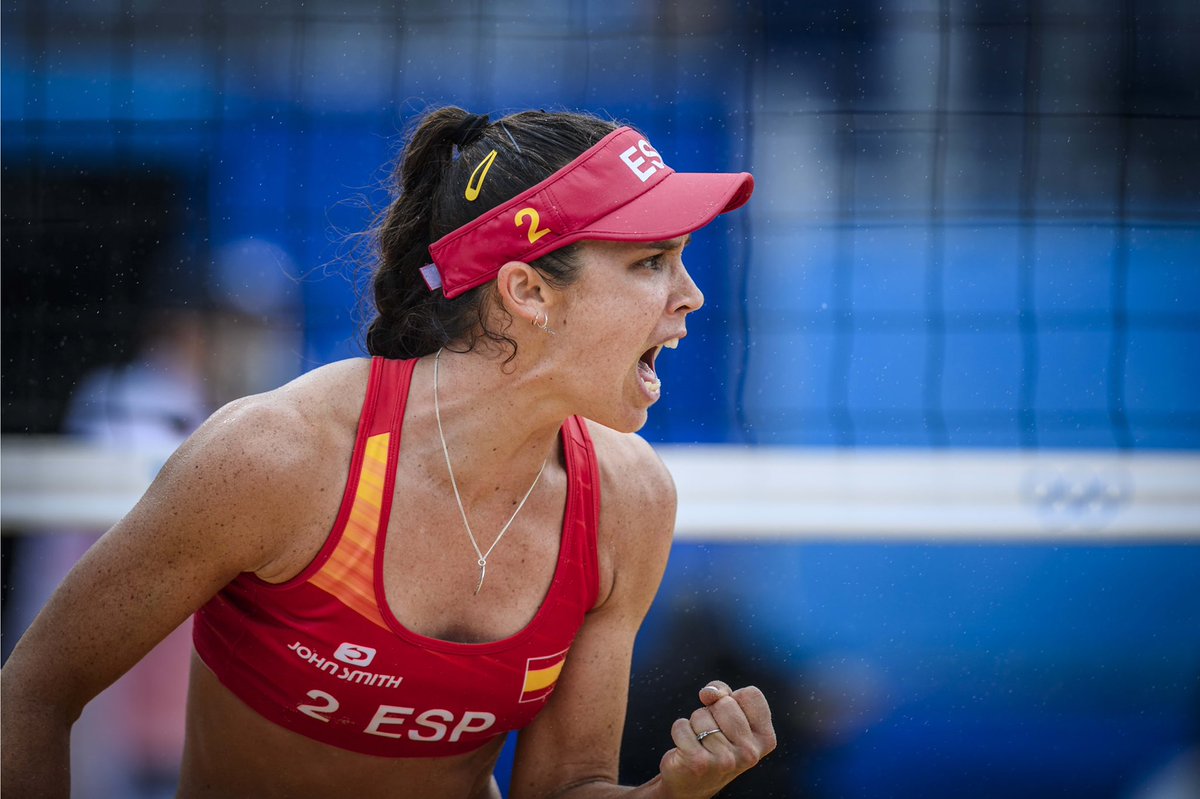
(213, 511)
(577, 738)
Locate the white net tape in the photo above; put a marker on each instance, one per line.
(731, 493)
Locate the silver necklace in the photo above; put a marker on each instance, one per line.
(483, 556)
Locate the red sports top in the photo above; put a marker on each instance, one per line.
(322, 655)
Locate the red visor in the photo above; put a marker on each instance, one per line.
(619, 190)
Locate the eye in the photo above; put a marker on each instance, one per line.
(654, 263)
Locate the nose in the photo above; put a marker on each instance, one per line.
(688, 297)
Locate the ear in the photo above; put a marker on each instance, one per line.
(523, 291)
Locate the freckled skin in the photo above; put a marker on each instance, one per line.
(257, 489)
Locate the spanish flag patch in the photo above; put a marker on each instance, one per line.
(540, 676)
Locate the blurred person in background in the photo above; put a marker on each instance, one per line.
(529, 274)
(201, 339)
(255, 338)
(127, 742)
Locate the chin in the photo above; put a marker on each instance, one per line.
(632, 428)
(625, 423)
(631, 423)
(625, 411)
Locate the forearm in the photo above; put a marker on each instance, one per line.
(35, 752)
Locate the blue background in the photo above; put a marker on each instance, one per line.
(976, 226)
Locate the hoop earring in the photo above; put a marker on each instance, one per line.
(542, 324)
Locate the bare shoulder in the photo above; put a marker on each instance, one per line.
(289, 425)
(270, 467)
(630, 467)
(637, 517)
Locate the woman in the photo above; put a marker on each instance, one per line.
(490, 573)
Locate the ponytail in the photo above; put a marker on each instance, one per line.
(429, 202)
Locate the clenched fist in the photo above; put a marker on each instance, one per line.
(729, 733)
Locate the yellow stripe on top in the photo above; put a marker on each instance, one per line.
(349, 573)
(537, 679)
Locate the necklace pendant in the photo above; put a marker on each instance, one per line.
(483, 556)
(482, 574)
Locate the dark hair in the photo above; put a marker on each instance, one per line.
(428, 202)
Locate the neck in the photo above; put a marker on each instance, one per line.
(500, 421)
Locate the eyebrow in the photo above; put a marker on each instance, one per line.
(670, 244)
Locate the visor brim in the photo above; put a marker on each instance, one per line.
(681, 203)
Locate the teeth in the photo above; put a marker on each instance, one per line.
(654, 387)
(672, 344)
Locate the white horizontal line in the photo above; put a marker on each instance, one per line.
(737, 493)
(741, 492)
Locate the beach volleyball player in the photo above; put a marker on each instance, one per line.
(394, 562)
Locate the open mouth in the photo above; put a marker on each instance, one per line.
(646, 366)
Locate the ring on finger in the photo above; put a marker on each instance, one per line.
(702, 735)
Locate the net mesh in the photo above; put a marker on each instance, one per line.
(976, 223)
